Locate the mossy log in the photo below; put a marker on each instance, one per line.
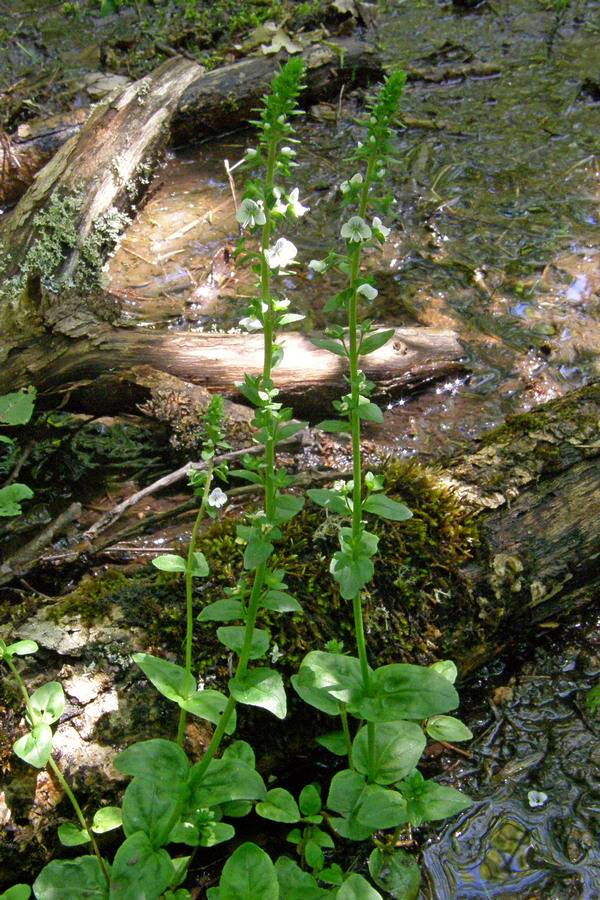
(535, 484)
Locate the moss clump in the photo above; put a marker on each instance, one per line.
(418, 581)
(56, 236)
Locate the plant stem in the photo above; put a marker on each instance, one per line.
(353, 348)
(189, 593)
(269, 485)
(60, 777)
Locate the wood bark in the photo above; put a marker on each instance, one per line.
(308, 377)
(536, 484)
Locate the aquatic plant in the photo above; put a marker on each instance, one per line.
(385, 713)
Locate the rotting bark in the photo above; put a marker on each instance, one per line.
(308, 377)
(536, 482)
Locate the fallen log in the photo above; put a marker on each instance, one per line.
(536, 484)
(308, 377)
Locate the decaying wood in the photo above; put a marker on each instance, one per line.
(122, 139)
(536, 482)
(23, 153)
(227, 97)
(308, 377)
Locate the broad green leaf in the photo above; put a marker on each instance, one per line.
(398, 748)
(352, 573)
(395, 872)
(405, 691)
(209, 705)
(386, 508)
(331, 500)
(294, 884)
(233, 638)
(48, 702)
(314, 855)
(331, 345)
(258, 548)
(288, 318)
(355, 887)
(71, 836)
(335, 742)
(171, 680)
(280, 601)
(446, 668)
(326, 679)
(242, 751)
(381, 808)
(370, 412)
(151, 806)
(289, 429)
(447, 728)
(139, 870)
(10, 499)
(428, 801)
(106, 819)
(260, 687)
(200, 567)
(287, 506)
(17, 892)
(309, 801)
(20, 648)
(226, 780)
(334, 426)
(72, 879)
(169, 562)
(157, 759)
(35, 748)
(373, 342)
(236, 809)
(345, 794)
(215, 833)
(248, 874)
(279, 806)
(17, 408)
(222, 611)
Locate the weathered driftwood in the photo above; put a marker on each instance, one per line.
(308, 377)
(108, 163)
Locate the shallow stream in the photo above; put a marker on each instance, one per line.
(495, 235)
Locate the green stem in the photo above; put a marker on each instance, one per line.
(270, 489)
(95, 849)
(59, 775)
(353, 351)
(189, 594)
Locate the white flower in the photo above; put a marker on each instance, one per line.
(217, 498)
(251, 323)
(537, 798)
(250, 214)
(356, 230)
(367, 291)
(295, 204)
(318, 265)
(281, 255)
(380, 228)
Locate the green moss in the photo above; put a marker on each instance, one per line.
(56, 236)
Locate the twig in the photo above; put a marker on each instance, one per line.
(230, 169)
(26, 557)
(108, 518)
